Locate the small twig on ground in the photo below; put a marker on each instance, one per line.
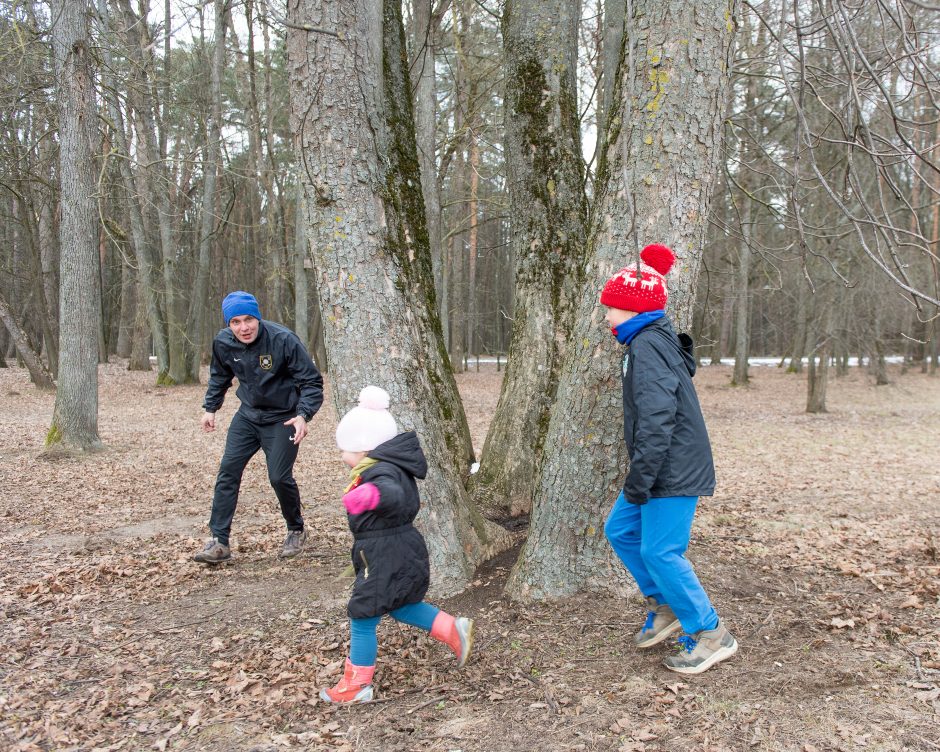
(189, 623)
(425, 704)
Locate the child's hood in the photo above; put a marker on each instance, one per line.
(681, 343)
(687, 347)
(404, 451)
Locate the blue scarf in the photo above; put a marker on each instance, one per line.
(629, 329)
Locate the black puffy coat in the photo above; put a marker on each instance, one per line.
(388, 553)
(670, 454)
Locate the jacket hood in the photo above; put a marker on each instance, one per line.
(404, 451)
(682, 343)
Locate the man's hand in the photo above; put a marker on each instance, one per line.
(300, 428)
(208, 422)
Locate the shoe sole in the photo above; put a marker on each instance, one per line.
(719, 655)
(212, 562)
(290, 555)
(466, 653)
(663, 634)
(362, 697)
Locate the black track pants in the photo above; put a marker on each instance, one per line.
(244, 439)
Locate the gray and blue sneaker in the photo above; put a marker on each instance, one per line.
(701, 651)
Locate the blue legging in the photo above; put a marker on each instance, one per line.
(363, 644)
(651, 540)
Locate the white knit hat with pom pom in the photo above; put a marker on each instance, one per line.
(369, 424)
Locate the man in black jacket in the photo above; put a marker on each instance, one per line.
(670, 467)
(280, 390)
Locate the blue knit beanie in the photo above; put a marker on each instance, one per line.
(239, 303)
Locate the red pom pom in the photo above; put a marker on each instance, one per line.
(659, 257)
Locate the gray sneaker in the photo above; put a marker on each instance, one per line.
(293, 544)
(660, 623)
(701, 651)
(213, 553)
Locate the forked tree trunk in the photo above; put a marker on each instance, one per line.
(548, 211)
(662, 154)
(75, 416)
(352, 120)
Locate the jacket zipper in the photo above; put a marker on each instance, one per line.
(362, 555)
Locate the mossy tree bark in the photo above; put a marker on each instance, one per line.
(549, 215)
(75, 416)
(354, 129)
(653, 184)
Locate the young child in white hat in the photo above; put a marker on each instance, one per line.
(388, 553)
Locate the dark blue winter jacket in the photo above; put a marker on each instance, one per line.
(277, 379)
(667, 441)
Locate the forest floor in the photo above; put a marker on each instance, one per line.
(820, 549)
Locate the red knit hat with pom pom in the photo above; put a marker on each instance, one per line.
(648, 293)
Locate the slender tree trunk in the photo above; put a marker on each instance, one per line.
(128, 315)
(424, 39)
(742, 298)
(141, 240)
(75, 416)
(156, 190)
(139, 359)
(818, 373)
(39, 374)
(473, 244)
(548, 211)
(301, 319)
(654, 183)
(196, 322)
(611, 50)
(354, 131)
(727, 317)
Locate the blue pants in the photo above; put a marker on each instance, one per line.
(363, 644)
(651, 540)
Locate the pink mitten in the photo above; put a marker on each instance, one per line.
(362, 499)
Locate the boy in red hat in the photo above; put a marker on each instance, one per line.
(670, 466)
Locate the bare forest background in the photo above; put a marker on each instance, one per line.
(452, 179)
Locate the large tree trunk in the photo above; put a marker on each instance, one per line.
(662, 154)
(75, 417)
(352, 119)
(549, 222)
